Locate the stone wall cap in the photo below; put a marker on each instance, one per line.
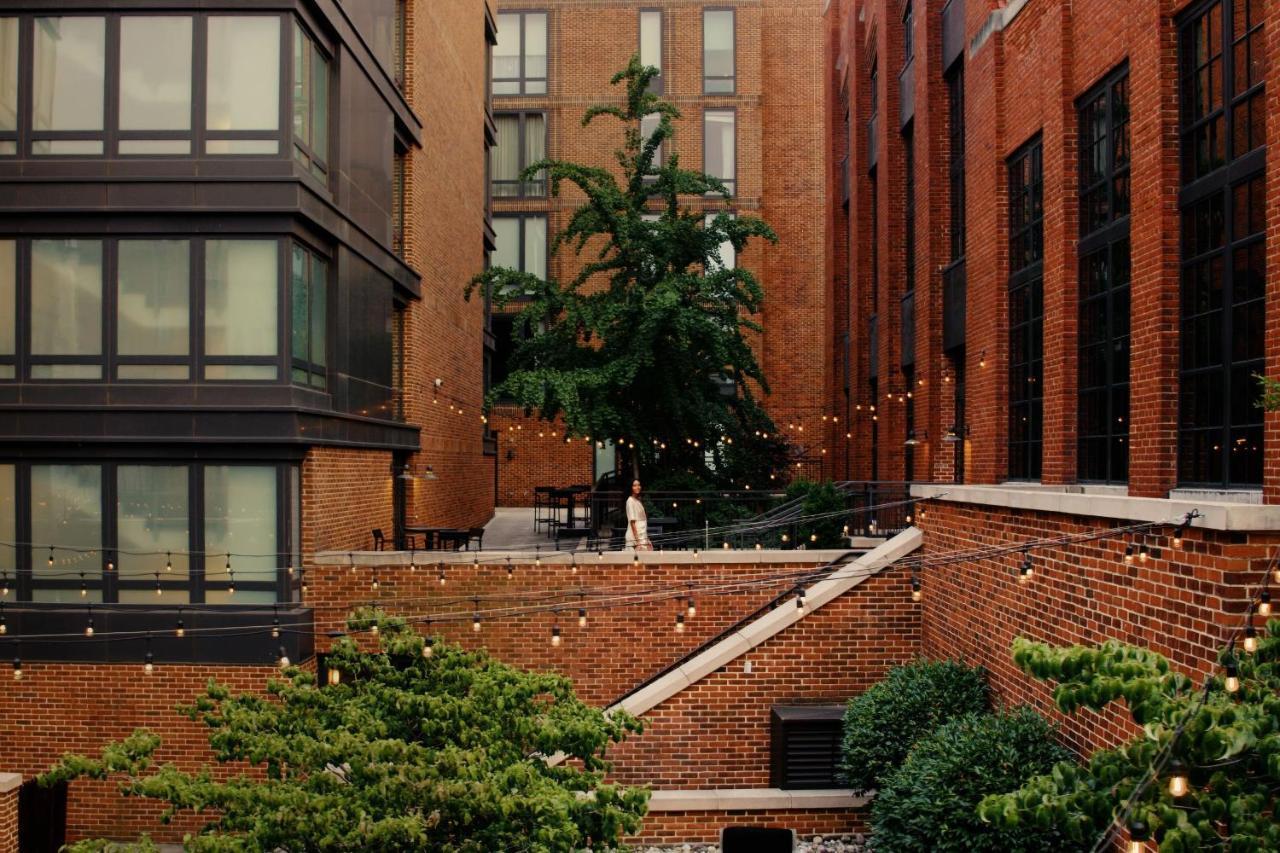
(727, 799)
(1236, 515)
(10, 782)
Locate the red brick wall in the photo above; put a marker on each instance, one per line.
(533, 452)
(1019, 82)
(345, 495)
(444, 334)
(9, 821)
(60, 708)
(1182, 605)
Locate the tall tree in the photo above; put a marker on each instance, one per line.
(646, 343)
(408, 751)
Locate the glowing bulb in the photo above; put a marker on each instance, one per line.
(17, 669)
(335, 676)
(555, 635)
(442, 577)
(1178, 781)
(916, 592)
(475, 623)
(373, 629)
(1177, 536)
(1128, 554)
(284, 658)
(149, 665)
(1138, 835)
(1264, 603)
(88, 629)
(1250, 639)
(168, 563)
(275, 628)
(427, 647)
(1233, 678)
(679, 623)
(692, 608)
(582, 617)
(1142, 554)
(180, 630)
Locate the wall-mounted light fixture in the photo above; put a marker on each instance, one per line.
(955, 433)
(912, 440)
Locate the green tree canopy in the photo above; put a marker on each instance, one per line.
(647, 341)
(408, 752)
(1227, 744)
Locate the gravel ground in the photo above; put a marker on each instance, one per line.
(805, 844)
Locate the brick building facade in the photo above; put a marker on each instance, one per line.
(747, 78)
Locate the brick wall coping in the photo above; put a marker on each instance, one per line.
(1214, 514)
(10, 782)
(711, 557)
(728, 799)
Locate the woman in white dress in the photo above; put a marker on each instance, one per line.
(637, 521)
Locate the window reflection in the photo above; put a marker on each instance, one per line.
(69, 82)
(243, 79)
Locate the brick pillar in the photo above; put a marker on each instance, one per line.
(1153, 396)
(9, 785)
(1061, 230)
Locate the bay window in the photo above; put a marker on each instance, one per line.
(69, 89)
(155, 84)
(8, 86)
(240, 319)
(310, 298)
(153, 309)
(242, 80)
(66, 309)
(310, 103)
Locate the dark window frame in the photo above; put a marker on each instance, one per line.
(954, 79)
(1026, 310)
(196, 359)
(730, 183)
(523, 218)
(908, 36)
(285, 586)
(909, 207)
(522, 82)
(304, 152)
(1103, 252)
(536, 188)
(657, 84)
(198, 135)
(733, 29)
(1222, 302)
(314, 374)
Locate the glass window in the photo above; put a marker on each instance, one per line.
(719, 146)
(69, 87)
(521, 244)
(522, 141)
(66, 309)
(955, 156)
(520, 56)
(155, 82)
(310, 287)
(310, 103)
(241, 528)
(8, 85)
(717, 51)
(1026, 312)
(153, 531)
(908, 35)
(241, 294)
(153, 305)
(8, 532)
(909, 209)
(535, 245)
(8, 306)
(66, 511)
(648, 126)
(506, 252)
(651, 44)
(1103, 363)
(243, 82)
(726, 256)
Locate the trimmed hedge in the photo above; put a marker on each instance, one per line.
(930, 803)
(882, 724)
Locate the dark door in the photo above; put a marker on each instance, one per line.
(42, 817)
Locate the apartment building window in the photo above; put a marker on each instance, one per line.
(1222, 202)
(522, 141)
(1103, 430)
(718, 60)
(909, 208)
(719, 146)
(399, 163)
(955, 157)
(521, 244)
(908, 35)
(8, 86)
(310, 103)
(726, 256)
(169, 528)
(520, 56)
(651, 43)
(875, 241)
(309, 295)
(399, 42)
(169, 309)
(1026, 311)
(138, 85)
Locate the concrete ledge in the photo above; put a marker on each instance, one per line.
(713, 557)
(752, 799)
(10, 782)
(1215, 515)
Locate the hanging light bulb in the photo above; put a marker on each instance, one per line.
(284, 658)
(84, 590)
(231, 587)
(813, 537)
(4, 622)
(4, 586)
(555, 635)
(510, 569)
(335, 676)
(180, 630)
(110, 563)
(1143, 554)
(845, 530)
(51, 556)
(302, 576)
(679, 623)
(759, 546)
(373, 629)
(1264, 603)
(1025, 572)
(475, 623)
(428, 647)
(692, 608)
(916, 592)
(17, 669)
(1138, 835)
(800, 600)
(786, 538)
(159, 591)
(149, 663)
(537, 556)
(442, 577)
(1233, 678)
(1177, 536)
(582, 617)
(88, 628)
(275, 628)
(726, 546)
(374, 584)
(1128, 554)
(1250, 638)
(1177, 779)
(635, 561)
(573, 564)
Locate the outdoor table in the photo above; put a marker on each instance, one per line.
(429, 534)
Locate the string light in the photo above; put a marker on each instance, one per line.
(428, 645)
(1143, 553)
(916, 593)
(284, 658)
(1177, 536)
(800, 600)
(1138, 835)
(4, 620)
(1250, 638)
(1177, 779)
(84, 590)
(413, 561)
(510, 569)
(51, 556)
(475, 619)
(17, 668)
(4, 586)
(110, 563)
(582, 617)
(555, 636)
(1128, 554)
(275, 627)
(679, 623)
(335, 676)
(1264, 603)
(374, 583)
(159, 591)
(180, 630)
(149, 659)
(1025, 572)
(88, 628)
(692, 608)
(1233, 678)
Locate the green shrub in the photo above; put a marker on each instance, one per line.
(882, 724)
(930, 802)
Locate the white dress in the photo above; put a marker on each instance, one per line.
(636, 513)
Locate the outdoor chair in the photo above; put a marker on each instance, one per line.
(476, 535)
(379, 541)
